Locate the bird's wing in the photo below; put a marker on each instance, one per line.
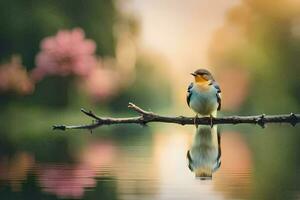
(188, 155)
(216, 85)
(189, 94)
(218, 160)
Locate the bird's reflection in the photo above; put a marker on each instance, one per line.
(204, 156)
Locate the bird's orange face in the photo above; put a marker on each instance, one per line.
(200, 78)
(204, 173)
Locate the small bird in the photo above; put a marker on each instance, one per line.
(204, 156)
(204, 95)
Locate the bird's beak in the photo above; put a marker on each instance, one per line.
(193, 74)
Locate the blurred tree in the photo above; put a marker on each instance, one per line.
(25, 23)
(276, 163)
(263, 38)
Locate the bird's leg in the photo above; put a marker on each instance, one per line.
(195, 120)
(211, 121)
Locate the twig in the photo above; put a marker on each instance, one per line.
(146, 117)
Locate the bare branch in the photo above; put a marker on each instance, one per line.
(146, 117)
(139, 110)
(90, 114)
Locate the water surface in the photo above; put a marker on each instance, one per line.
(151, 164)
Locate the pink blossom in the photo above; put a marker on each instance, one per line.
(66, 181)
(71, 180)
(14, 170)
(14, 77)
(98, 154)
(66, 53)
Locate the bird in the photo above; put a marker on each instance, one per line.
(204, 95)
(204, 156)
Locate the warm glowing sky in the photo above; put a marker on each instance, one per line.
(180, 30)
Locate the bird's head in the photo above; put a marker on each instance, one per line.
(203, 171)
(202, 76)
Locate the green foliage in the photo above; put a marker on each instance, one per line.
(25, 23)
(264, 43)
(275, 162)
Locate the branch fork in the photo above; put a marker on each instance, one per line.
(145, 116)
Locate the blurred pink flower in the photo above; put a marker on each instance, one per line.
(14, 170)
(98, 154)
(101, 83)
(238, 79)
(66, 181)
(70, 181)
(68, 52)
(14, 77)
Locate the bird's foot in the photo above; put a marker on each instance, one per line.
(195, 121)
(211, 121)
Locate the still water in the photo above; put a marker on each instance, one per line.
(245, 162)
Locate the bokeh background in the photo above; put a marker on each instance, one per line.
(59, 56)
